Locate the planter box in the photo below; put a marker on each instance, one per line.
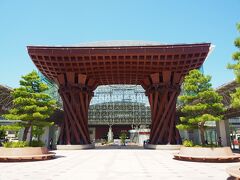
(25, 154)
(207, 154)
(234, 171)
(75, 147)
(206, 151)
(162, 147)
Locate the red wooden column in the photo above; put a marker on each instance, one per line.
(162, 90)
(76, 91)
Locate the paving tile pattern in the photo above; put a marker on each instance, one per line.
(114, 164)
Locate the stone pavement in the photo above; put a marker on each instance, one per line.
(114, 164)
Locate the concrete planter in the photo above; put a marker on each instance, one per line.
(25, 154)
(216, 154)
(75, 147)
(234, 171)
(162, 147)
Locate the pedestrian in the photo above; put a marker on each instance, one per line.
(219, 141)
(206, 142)
(239, 143)
(51, 144)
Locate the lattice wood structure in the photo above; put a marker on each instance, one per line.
(158, 68)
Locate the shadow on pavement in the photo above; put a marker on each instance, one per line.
(113, 147)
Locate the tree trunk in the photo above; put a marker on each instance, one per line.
(30, 139)
(202, 135)
(25, 133)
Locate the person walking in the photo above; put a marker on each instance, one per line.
(219, 141)
(51, 144)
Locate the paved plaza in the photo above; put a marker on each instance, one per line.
(109, 164)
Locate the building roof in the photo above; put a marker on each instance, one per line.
(5, 88)
(225, 91)
(228, 87)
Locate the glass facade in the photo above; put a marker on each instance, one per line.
(52, 91)
(119, 104)
(113, 104)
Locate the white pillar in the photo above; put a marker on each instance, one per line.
(223, 132)
(45, 137)
(110, 134)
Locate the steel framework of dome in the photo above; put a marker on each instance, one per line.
(159, 69)
(119, 104)
(5, 99)
(112, 104)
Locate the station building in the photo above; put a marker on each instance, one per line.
(115, 108)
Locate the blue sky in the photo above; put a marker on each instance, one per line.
(58, 22)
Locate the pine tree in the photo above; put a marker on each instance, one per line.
(236, 68)
(31, 105)
(200, 103)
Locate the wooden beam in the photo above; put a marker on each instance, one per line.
(82, 78)
(61, 79)
(155, 78)
(166, 76)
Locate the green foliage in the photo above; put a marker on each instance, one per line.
(236, 98)
(30, 101)
(236, 69)
(185, 126)
(197, 145)
(200, 103)
(188, 143)
(37, 143)
(123, 137)
(37, 132)
(31, 104)
(19, 144)
(210, 145)
(2, 134)
(12, 127)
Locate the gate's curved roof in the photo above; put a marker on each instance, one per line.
(118, 62)
(118, 43)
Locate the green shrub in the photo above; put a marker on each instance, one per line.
(19, 144)
(188, 143)
(210, 145)
(2, 133)
(36, 143)
(123, 137)
(197, 145)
